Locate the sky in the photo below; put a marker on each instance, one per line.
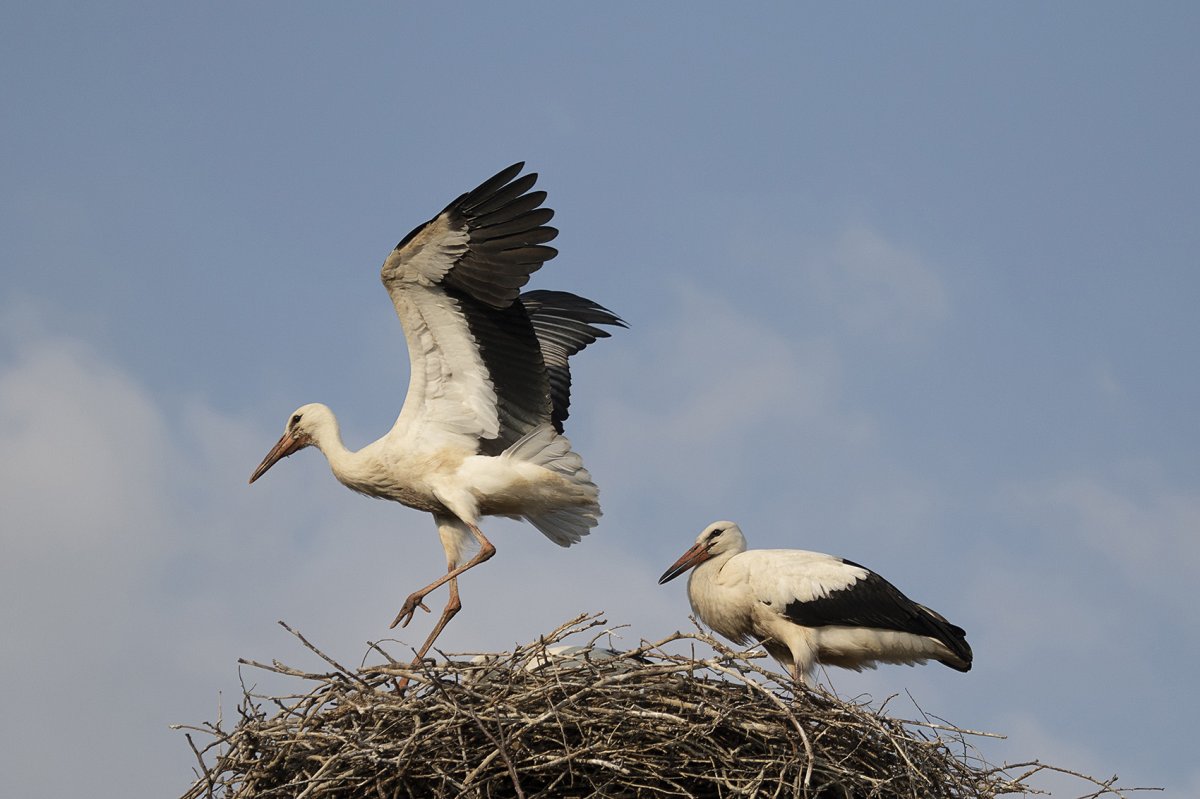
(913, 284)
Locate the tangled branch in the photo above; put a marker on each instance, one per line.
(550, 720)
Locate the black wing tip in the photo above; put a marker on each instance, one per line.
(962, 649)
(507, 174)
(965, 658)
(503, 179)
(497, 183)
(597, 314)
(475, 196)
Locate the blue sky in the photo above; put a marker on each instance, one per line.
(913, 285)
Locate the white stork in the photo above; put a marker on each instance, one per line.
(808, 608)
(480, 432)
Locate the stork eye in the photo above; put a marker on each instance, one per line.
(295, 420)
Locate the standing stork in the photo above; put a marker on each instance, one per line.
(808, 608)
(480, 432)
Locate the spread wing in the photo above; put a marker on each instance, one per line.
(477, 375)
(564, 323)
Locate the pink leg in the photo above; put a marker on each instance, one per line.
(486, 550)
(452, 608)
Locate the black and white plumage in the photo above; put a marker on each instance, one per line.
(808, 608)
(480, 432)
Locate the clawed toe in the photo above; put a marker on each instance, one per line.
(410, 608)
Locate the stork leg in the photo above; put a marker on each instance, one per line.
(452, 608)
(486, 550)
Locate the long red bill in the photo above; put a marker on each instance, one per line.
(693, 557)
(286, 445)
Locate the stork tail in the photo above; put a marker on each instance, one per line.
(578, 510)
(954, 638)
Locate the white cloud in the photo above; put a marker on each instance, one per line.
(83, 450)
(714, 393)
(82, 496)
(1107, 382)
(856, 281)
(870, 285)
(1146, 531)
(723, 413)
(1087, 613)
(1035, 613)
(1031, 738)
(878, 286)
(82, 515)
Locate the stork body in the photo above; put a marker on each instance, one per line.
(480, 432)
(808, 608)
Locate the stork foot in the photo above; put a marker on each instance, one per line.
(406, 613)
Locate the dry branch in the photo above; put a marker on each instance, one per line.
(587, 722)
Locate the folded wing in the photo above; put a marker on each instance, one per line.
(861, 598)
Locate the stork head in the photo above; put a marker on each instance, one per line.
(718, 538)
(301, 431)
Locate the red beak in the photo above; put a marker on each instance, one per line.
(284, 447)
(690, 559)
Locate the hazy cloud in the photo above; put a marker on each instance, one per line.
(83, 453)
(1145, 530)
(713, 401)
(84, 517)
(875, 286)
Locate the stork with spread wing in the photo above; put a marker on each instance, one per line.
(481, 429)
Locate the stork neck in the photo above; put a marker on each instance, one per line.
(712, 567)
(708, 573)
(327, 437)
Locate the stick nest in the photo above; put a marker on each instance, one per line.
(552, 720)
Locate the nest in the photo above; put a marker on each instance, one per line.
(556, 720)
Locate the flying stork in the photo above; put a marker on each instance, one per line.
(480, 432)
(807, 608)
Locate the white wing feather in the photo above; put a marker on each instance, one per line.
(450, 400)
(782, 576)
